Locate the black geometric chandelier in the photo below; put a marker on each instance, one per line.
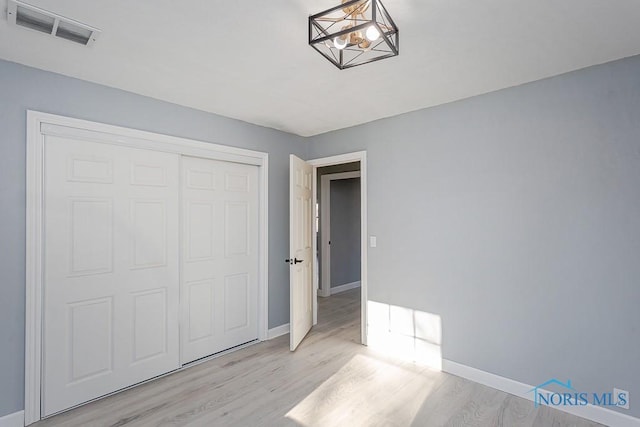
(354, 33)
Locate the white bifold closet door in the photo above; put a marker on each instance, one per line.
(111, 281)
(219, 256)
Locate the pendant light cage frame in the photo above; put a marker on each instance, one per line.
(346, 34)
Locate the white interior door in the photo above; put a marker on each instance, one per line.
(300, 250)
(111, 284)
(220, 256)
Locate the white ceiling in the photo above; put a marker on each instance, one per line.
(250, 59)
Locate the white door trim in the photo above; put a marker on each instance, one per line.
(359, 156)
(41, 124)
(325, 226)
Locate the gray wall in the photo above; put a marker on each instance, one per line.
(515, 216)
(27, 88)
(345, 231)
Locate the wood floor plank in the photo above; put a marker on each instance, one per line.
(330, 380)
(516, 412)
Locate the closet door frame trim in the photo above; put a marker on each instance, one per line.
(41, 124)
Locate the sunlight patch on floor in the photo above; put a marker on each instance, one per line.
(362, 391)
(405, 333)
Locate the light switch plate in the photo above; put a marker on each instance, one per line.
(372, 241)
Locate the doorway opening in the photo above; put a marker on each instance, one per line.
(338, 228)
(339, 241)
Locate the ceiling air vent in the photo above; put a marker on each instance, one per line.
(25, 15)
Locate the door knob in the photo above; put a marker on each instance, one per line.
(297, 261)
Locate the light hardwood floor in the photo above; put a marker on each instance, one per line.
(331, 380)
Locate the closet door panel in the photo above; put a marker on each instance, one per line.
(111, 283)
(220, 262)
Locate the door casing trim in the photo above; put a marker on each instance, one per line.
(324, 288)
(358, 156)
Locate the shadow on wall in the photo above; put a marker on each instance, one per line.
(405, 333)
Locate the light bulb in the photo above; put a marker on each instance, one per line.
(339, 43)
(372, 33)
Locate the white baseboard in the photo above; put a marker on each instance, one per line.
(591, 412)
(323, 293)
(345, 287)
(13, 420)
(277, 331)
